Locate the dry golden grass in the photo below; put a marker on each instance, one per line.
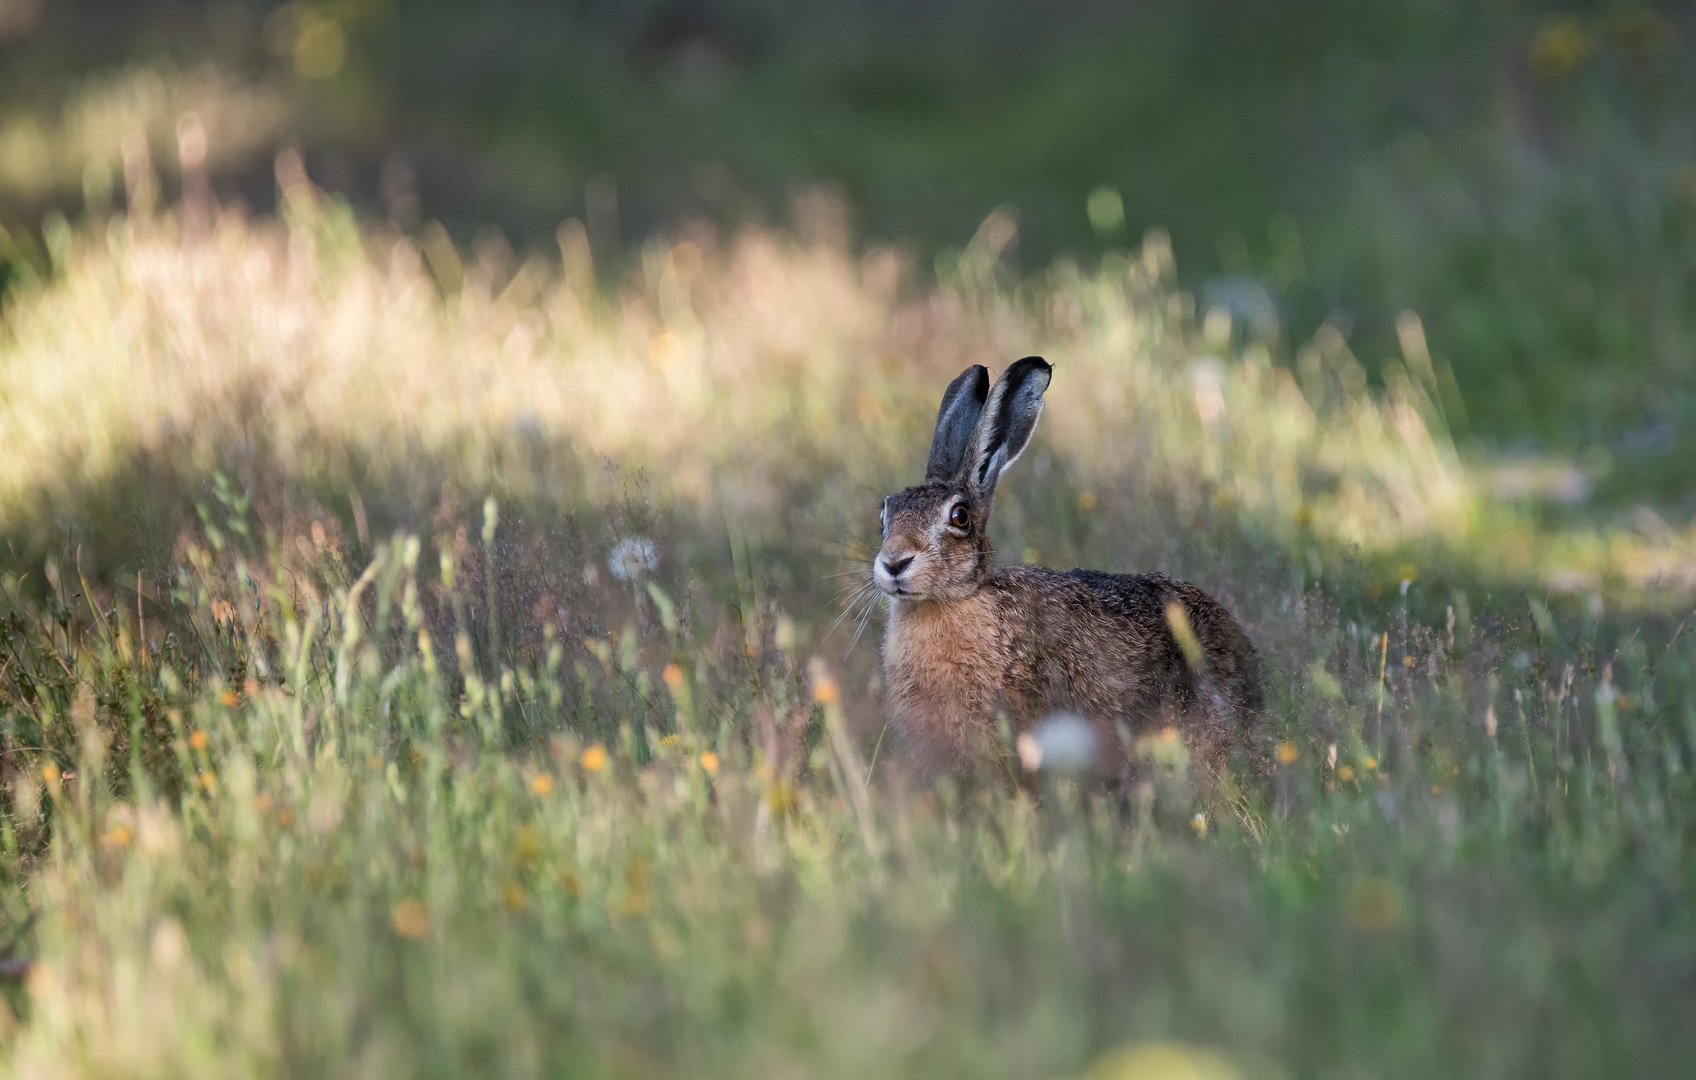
(732, 370)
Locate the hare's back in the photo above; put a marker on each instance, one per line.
(1139, 604)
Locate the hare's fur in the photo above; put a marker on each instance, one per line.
(967, 643)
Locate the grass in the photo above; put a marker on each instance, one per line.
(1516, 173)
(350, 724)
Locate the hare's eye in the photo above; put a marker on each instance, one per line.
(959, 517)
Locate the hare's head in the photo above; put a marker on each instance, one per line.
(936, 535)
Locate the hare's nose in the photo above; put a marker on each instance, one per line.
(893, 567)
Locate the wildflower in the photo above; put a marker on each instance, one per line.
(1287, 752)
(228, 697)
(673, 676)
(1163, 1059)
(632, 558)
(709, 763)
(207, 780)
(198, 739)
(1560, 47)
(513, 896)
(1371, 763)
(1345, 773)
(594, 759)
(824, 687)
(669, 741)
(117, 836)
(1199, 824)
(285, 817)
(50, 773)
(1436, 789)
(541, 783)
(1061, 741)
(410, 919)
(1086, 500)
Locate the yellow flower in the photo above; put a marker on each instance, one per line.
(117, 836)
(198, 739)
(709, 762)
(1199, 824)
(1371, 763)
(513, 895)
(410, 919)
(668, 741)
(673, 676)
(1086, 500)
(50, 773)
(1287, 753)
(1146, 1061)
(594, 759)
(228, 697)
(541, 783)
(1345, 773)
(1560, 47)
(824, 690)
(208, 781)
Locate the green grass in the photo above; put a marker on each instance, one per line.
(333, 743)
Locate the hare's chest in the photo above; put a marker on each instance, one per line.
(942, 664)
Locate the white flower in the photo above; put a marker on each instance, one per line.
(1062, 740)
(632, 558)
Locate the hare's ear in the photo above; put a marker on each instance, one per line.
(1007, 423)
(962, 402)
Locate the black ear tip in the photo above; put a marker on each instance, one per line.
(1031, 367)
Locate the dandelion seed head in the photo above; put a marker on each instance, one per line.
(632, 558)
(1061, 741)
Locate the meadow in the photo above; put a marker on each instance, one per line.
(428, 661)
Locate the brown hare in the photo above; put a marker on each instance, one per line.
(968, 643)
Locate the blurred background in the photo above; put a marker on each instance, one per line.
(1523, 175)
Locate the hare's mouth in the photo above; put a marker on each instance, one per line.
(894, 574)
